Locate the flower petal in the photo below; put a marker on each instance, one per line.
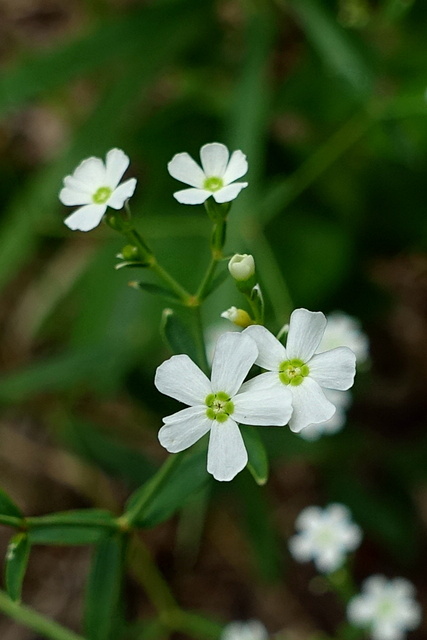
(306, 329)
(236, 168)
(181, 379)
(86, 218)
(234, 355)
(71, 197)
(115, 165)
(334, 369)
(271, 352)
(301, 548)
(228, 193)
(309, 518)
(263, 407)
(184, 428)
(329, 559)
(192, 196)
(310, 405)
(77, 185)
(92, 173)
(226, 453)
(121, 194)
(214, 157)
(182, 167)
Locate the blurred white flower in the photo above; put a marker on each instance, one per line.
(298, 369)
(249, 630)
(325, 536)
(342, 401)
(386, 607)
(95, 185)
(214, 179)
(218, 405)
(343, 330)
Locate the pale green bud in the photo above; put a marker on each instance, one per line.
(239, 317)
(242, 267)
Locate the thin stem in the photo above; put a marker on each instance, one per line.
(35, 621)
(200, 340)
(12, 521)
(207, 279)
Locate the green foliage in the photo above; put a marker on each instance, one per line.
(17, 555)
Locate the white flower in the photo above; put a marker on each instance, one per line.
(214, 179)
(344, 331)
(242, 266)
(300, 370)
(217, 405)
(249, 630)
(386, 607)
(95, 185)
(341, 400)
(325, 536)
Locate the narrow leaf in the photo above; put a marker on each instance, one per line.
(154, 289)
(177, 335)
(258, 460)
(8, 507)
(17, 556)
(77, 527)
(104, 588)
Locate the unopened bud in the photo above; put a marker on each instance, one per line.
(239, 317)
(130, 253)
(242, 267)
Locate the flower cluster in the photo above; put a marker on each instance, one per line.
(248, 630)
(325, 536)
(386, 607)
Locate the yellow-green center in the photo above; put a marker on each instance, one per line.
(213, 183)
(293, 372)
(101, 195)
(219, 406)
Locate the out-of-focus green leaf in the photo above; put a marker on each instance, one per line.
(104, 588)
(71, 527)
(333, 43)
(187, 477)
(8, 507)
(17, 554)
(155, 290)
(178, 335)
(258, 460)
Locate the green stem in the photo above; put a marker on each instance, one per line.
(12, 521)
(200, 340)
(207, 279)
(35, 621)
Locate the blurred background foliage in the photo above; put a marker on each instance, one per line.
(327, 99)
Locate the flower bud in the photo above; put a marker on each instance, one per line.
(239, 317)
(130, 253)
(242, 267)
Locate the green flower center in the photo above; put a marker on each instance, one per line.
(101, 196)
(213, 184)
(219, 406)
(293, 372)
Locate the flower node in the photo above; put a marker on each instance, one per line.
(213, 184)
(101, 195)
(219, 406)
(293, 372)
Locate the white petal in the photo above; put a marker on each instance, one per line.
(271, 352)
(375, 585)
(402, 588)
(71, 197)
(236, 168)
(214, 157)
(360, 610)
(182, 167)
(301, 548)
(226, 454)
(192, 196)
(86, 218)
(181, 379)
(351, 537)
(267, 381)
(310, 405)
(121, 194)
(184, 428)
(309, 518)
(306, 329)
(330, 559)
(77, 185)
(234, 355)
(387, 630)
(334, 369)
(116, 164)
(92, 173)
(263, 407)
(228, 193)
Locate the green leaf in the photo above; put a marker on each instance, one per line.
(8, 507)
(17, 556)
(177, 334)
(155, 290)
(258, 460)
(77, 527)
(104, 588)
(187, 476)
(217, 282)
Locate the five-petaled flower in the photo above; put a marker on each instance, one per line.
(299, 370)
(215, 178)
(325, 536)
(245, 630)
(386, 607)
(219, 404)
(95, 186)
